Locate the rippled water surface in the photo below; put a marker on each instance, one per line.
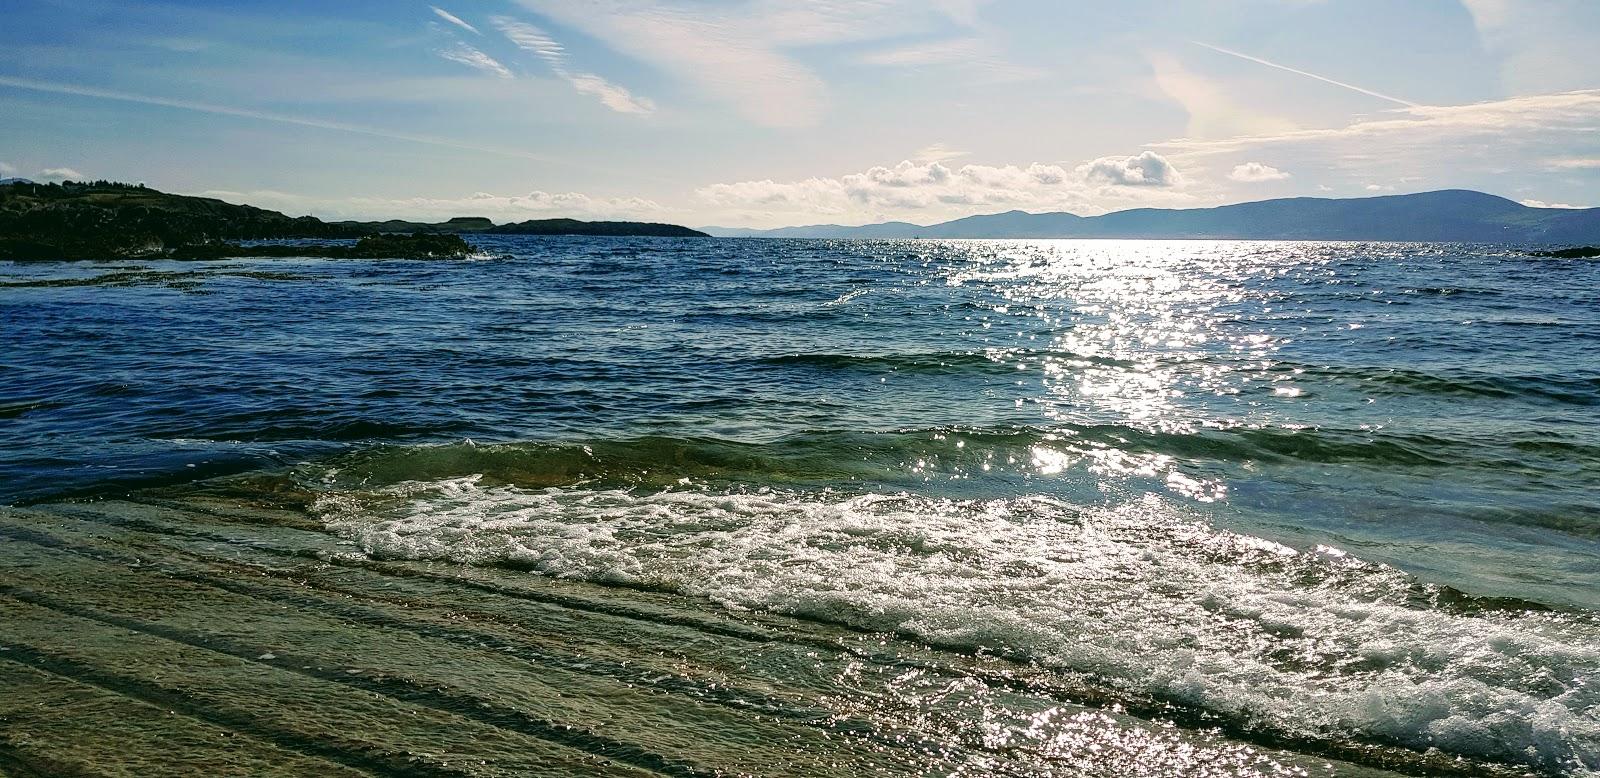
(1342, 490)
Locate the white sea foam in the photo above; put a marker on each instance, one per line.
(1142, 596)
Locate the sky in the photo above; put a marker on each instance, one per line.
(764, 113)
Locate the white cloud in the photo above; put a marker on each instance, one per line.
(6, 169)
(1379, 188)
(500, 208)
(1255, 172)
(1575, 163)
(931, 191)
(473, 58)
(532, 39)
(1144, 169)
(1543, 204)
(1323, 79)
(453, 19)
(610, 95)
(1562, 112)
(539, 43)
(938, 152)
(970, 53)
(61, 174)
(1213, 110)
(51, 87)
(739, 52)
(1421, 143)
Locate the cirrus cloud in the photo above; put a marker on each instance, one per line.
(539, 43)
(475, 59)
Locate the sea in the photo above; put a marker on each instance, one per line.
(1291, 492)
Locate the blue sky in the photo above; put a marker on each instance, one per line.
(773, 112)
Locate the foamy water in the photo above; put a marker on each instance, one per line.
(1141, 597)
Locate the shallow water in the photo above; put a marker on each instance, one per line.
(1331, 490)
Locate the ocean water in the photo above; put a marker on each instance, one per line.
(1330, 490)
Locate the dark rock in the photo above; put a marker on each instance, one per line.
(1576, 252)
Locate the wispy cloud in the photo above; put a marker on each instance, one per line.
(610, 95)
(969, 53)
(539, 43)
(266, 116)
(1575, 163)
(739, 52)
(7, 169)
(1566, 113)
(532, 39)
(1542, 46)
(938, 152)
(1214, 110)
(500, 208)
(473, 58)
(453, 19)
(1324, 79)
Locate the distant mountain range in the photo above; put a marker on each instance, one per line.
(1454, 215)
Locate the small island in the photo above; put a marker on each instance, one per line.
(111, 220)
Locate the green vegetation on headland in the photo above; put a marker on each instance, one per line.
(109, 220)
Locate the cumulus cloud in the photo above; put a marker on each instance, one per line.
(930, 190)
(1255, 173)
(61, 174)
(473, 58)
(539, 43)
(1144, 169)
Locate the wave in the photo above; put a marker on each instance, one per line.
(1570, 389)
(1565, 388)
(830, 456)
(1141, 598)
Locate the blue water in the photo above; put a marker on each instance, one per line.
(1417, 426)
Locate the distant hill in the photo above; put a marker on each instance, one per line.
(1450, 215)
(109, 220)
(575, 227)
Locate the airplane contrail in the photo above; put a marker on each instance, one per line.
(266, 116)
(1324, 79)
